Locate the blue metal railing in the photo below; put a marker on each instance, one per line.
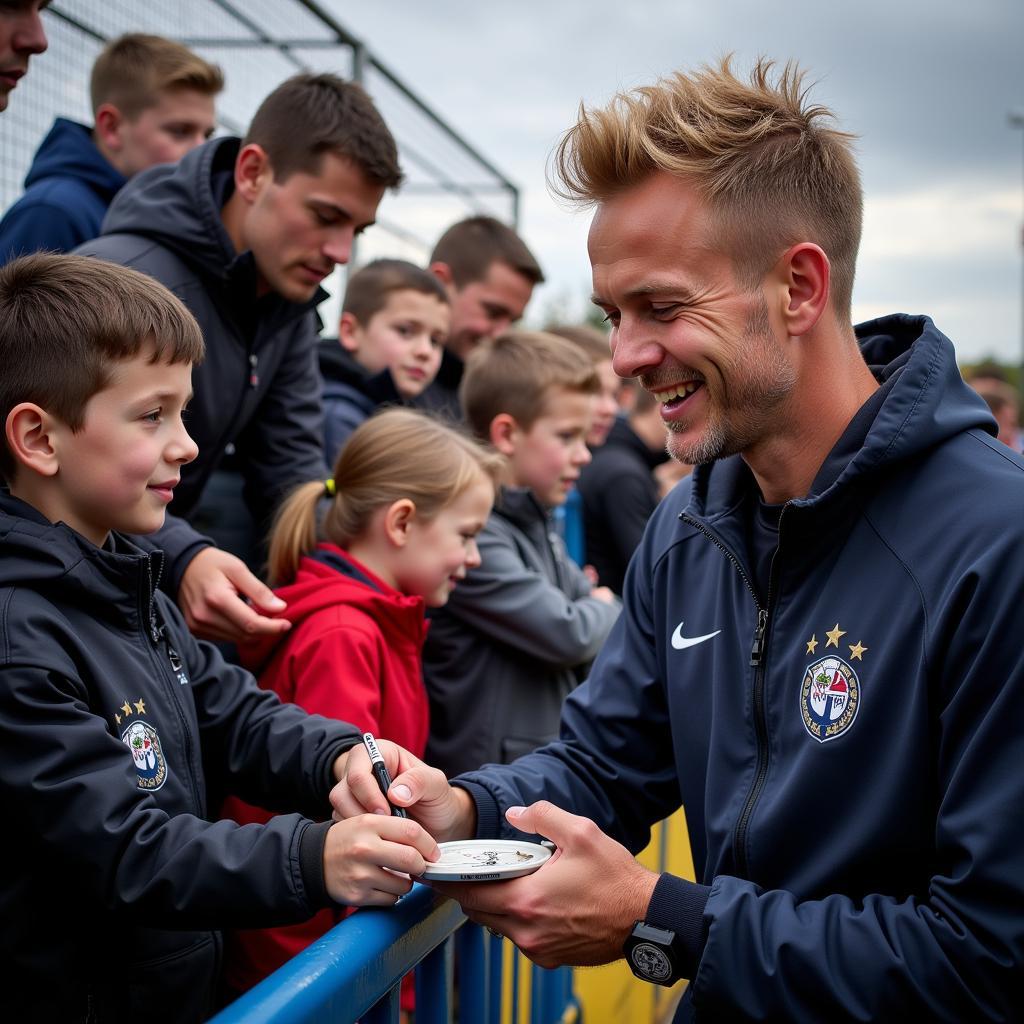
(354, 973)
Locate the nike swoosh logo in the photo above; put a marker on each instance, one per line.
(680, 642)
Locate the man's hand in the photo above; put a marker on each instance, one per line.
(212, 593)
(444, 811)
(361, 856)
(578, 908)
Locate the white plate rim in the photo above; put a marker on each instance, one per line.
(437, 872)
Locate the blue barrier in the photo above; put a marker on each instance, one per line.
(354, 972)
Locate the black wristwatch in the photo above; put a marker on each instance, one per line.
(653, 954)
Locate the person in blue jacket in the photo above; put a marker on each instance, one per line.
(819, 651)
(152, 101)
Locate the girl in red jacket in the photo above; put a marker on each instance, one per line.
(407, 499)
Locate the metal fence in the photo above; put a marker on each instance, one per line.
(259, 44)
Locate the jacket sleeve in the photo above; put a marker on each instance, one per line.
(70, 784)
(508, 601)
(283, 444)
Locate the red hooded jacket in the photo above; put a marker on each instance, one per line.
(354, 652)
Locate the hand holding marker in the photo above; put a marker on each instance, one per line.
(380, 772)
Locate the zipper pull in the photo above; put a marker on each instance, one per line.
(757, 650)
(254, 377)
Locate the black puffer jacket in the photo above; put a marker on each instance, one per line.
(258, 387)
(113, 722)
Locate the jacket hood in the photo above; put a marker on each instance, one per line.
(330, 577)
(926, 402)
(40, 555)
(68, 151)
(178, 205)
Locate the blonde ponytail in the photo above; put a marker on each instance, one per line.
(294, 532)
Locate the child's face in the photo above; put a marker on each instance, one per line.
(180, 120)
(605, 404)
(548, 457)
(439, 552)
(405, 337)
(119, 471)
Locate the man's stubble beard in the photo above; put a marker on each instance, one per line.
(766, 381)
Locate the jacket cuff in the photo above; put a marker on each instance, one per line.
(678, 905)
(311, 862)
(488, 814)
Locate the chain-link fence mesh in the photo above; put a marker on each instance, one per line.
(258, 44)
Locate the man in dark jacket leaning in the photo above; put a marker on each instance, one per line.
(819, 651)
(244, 231)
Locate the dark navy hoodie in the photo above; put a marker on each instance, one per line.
(67, 191)
(847, 743)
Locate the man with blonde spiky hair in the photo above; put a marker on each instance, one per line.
(818, 655)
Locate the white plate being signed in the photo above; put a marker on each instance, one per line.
(485, 860)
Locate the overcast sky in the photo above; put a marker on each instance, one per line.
(927, 87)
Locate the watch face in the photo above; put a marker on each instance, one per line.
(650, 961)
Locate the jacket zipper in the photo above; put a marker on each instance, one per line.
(157, 634)
(757, 649)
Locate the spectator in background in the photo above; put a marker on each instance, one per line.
(619, 491)
(152, 102)
(508, 647)
(244, 231)
(407, 499)
(1004, 405)
(490, 275)
(603, 411)
(394, 323)
(21, 35)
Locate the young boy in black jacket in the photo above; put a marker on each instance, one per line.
(113, 718)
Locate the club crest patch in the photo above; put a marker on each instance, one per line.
(144, 743)
(829, 698)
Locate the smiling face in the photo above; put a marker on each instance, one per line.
(405, 336)
(485, 308)
(682, 323)
(440, 551)
(301, 228)
(21, 36)
(547, 458)
(180, 120)
(118, 472)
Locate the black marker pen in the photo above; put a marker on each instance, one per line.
(380, 772)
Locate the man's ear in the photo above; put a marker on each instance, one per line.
(444, 274)
(503, 434)
(398, 517)
(252, 171)
(108, 122)
(802, 279)
(349, 331)
(30, 438)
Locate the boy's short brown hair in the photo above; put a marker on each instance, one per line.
(470, 247)
(515, 374)
(65, 321)
(309, 115)
(133, 71)
(369, 287)
(590, 339)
